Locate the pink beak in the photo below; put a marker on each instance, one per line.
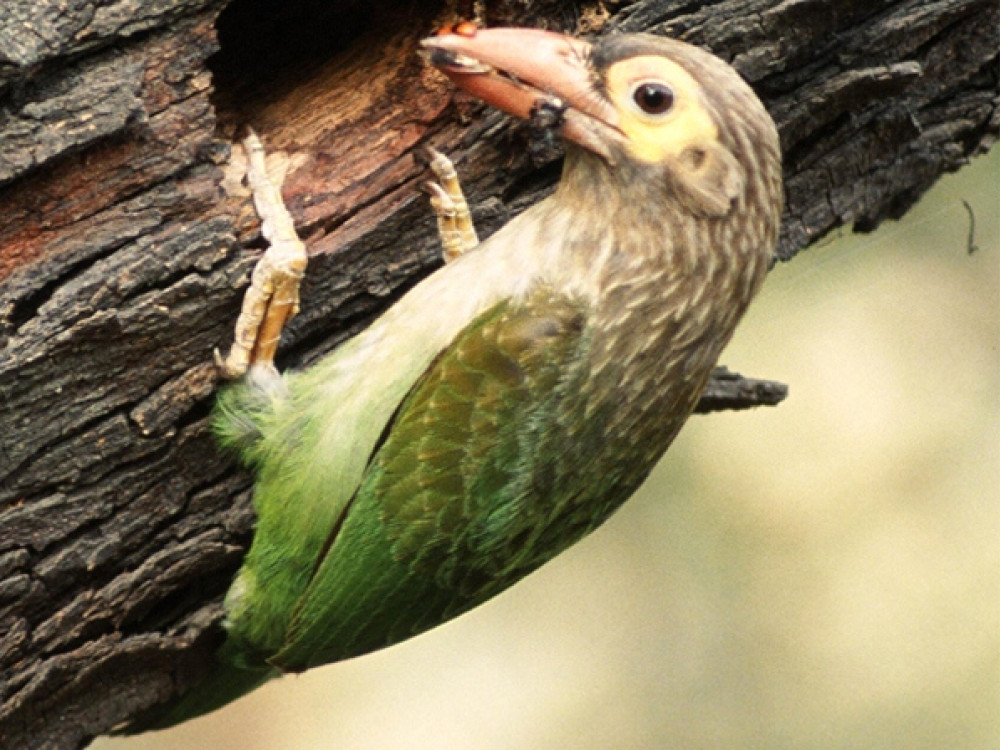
(517, 70)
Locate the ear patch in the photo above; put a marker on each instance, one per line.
(683, 141)
(708, 179)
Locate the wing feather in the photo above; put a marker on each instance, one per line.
(450, 498)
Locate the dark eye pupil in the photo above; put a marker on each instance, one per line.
(654, 98)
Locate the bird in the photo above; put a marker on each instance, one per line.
(510, 402)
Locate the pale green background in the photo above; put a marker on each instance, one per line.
(825, 574)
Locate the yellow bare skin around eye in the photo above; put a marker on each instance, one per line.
(657, 139)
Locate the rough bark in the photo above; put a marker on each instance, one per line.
(123, 259)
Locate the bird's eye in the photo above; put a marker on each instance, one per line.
(653, 97)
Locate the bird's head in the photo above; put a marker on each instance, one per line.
(677, 115)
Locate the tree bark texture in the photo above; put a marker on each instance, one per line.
(126, 241)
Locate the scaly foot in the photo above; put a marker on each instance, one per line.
(273, 296)
(458, 235)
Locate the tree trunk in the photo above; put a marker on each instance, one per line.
(126, 246)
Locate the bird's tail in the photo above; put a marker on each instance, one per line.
(224, 684)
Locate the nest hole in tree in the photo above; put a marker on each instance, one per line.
(271, 50)
(338, 88)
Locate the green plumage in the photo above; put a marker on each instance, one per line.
(447, 491)
(447, 505)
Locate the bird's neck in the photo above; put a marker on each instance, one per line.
(670, 289)
(656, 269)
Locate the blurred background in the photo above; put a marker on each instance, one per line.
(824, 574)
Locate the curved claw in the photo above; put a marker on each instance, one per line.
(458, 235)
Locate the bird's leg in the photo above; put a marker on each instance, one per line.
(458, 235)
(273, 296)
(444, 209)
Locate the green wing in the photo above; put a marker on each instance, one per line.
(459, 499)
